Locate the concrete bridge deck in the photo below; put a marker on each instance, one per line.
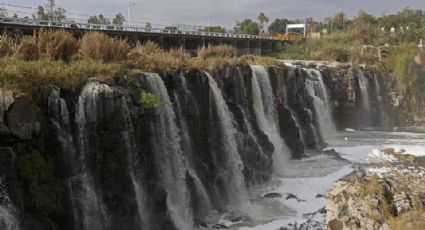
(166, 38)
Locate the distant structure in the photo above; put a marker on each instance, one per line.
(302, 26)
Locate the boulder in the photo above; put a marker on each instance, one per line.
(22, 119)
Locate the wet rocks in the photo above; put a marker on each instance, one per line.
(366, 201)
(292, 196)
(22, 120)
(273, 195)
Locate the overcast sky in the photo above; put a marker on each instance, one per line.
(226, 12)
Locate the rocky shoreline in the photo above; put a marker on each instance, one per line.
(389, 195)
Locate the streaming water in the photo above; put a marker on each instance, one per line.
(169, 158)
(317, 90)
(265, 111)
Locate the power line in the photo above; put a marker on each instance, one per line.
(69, 15)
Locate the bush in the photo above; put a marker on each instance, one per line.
(7, 46)
(98, 45)
(401, 62)
(56, 45)
(224, 51)
(150, 100)
(27, 50)
(150, 57)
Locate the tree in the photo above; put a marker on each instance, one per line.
(101, 20)
(148, 27)
(51, 12)
(3, 12)
(263, 19)
(278, 26)
(118, 20)
(214, 29)
(338, 22)
(247, 26)
(364, 26)
(170, 28)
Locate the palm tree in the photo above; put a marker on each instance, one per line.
(262, 18)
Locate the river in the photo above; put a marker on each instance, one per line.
(297, 197)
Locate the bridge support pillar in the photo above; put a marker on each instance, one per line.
(242, 47)
(173, 42)
(192, 45)
(266, 47)
(255, 47)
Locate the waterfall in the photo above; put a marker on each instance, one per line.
(294, 118)
(134, 166)
(265, 111)
(318, 91)
(363, 83)
(201, 192)
(8, 219)
(235, 179)
(89, 211)
(169, 159)
(378, 88)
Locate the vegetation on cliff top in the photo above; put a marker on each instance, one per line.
(56, 57)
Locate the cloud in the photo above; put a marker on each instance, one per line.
(226, 12)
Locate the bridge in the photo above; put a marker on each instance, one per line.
(166, 38)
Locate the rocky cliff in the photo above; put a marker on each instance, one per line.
(103, 156)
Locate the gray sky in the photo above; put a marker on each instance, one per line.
(226, 12)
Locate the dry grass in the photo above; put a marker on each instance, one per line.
(27, 50)
(56, 45)
(98, 45)
(150, 57)
(413, 220)
(24, 76)
(223, 51)
(56, 57)
(7, 46)
(371, 187)
(260, 60)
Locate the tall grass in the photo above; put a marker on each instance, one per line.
(56, 45)
(7, 46)
(25, 76)
(98, 45)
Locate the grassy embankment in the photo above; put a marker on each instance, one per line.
(56, 57)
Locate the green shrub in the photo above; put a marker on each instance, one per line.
(150, 100)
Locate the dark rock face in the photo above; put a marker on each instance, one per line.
(106, 160)
(287, 124)
(300, 104)
(253, 144)
(344, 93)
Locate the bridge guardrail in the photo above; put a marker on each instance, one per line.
(88, 26)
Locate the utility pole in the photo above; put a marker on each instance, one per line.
(129, 12)
(209, 21)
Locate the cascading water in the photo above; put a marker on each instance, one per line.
(134, 166)
(202, 194)
(265, 111)
(317, 90)
(8, 219)
(364, 85)
(235, 179)
(169, 159)
(89, 211)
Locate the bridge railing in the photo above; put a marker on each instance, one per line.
(88, 26)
